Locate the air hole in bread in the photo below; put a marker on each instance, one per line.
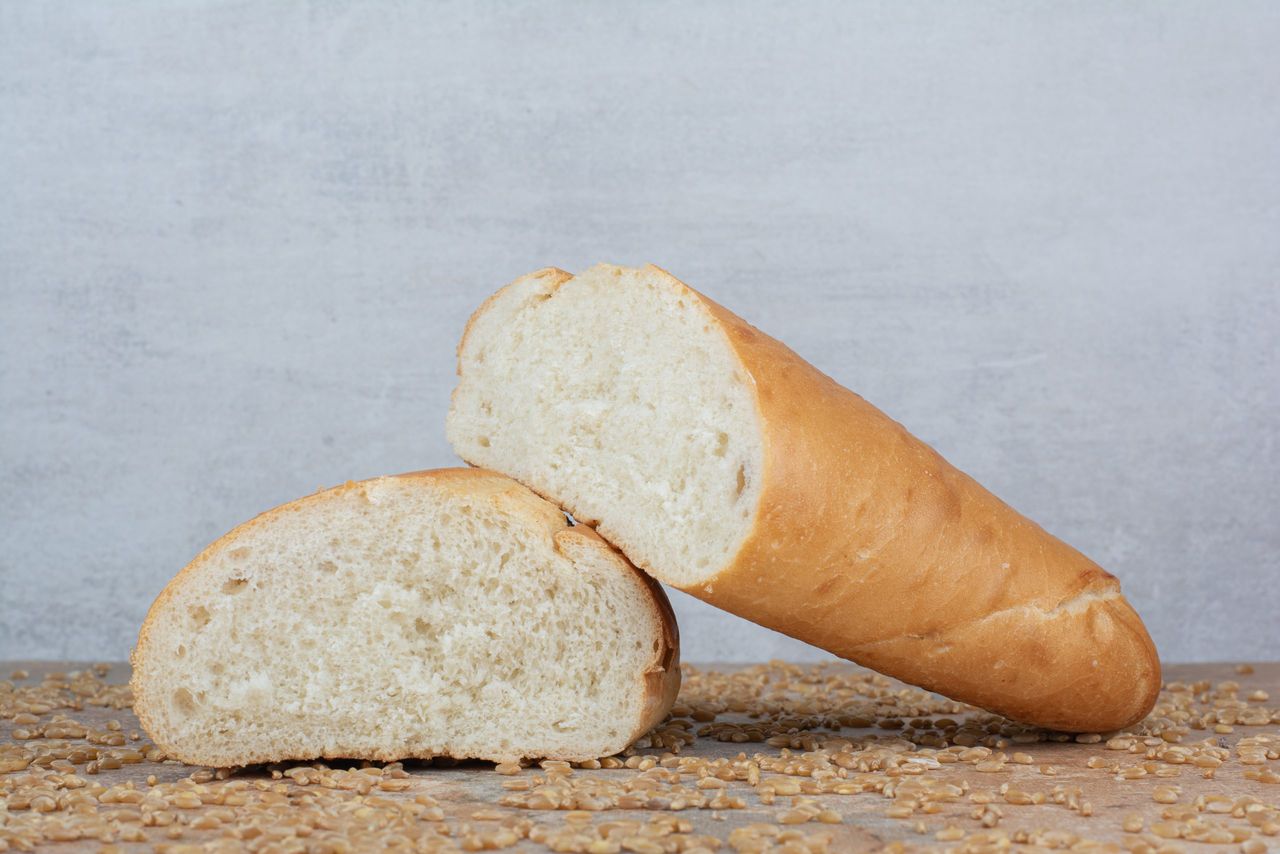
(234, 586)
(199, 617)
(183, 702)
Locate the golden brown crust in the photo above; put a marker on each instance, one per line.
(660, 681)
(869, 544)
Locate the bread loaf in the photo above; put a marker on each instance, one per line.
(724, 464)
(446, 612)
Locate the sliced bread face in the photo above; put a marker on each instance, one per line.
(617, 394)
(442, 613)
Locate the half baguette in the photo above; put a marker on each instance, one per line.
(440, 613)
(724, 464)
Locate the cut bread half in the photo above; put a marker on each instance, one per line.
(724, 464)
(440, 613)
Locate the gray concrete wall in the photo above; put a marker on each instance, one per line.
(238, 242)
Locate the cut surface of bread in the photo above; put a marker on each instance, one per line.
(442, 613)
(724, 464)
(615, 393)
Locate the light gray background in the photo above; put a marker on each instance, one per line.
(238, 242)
